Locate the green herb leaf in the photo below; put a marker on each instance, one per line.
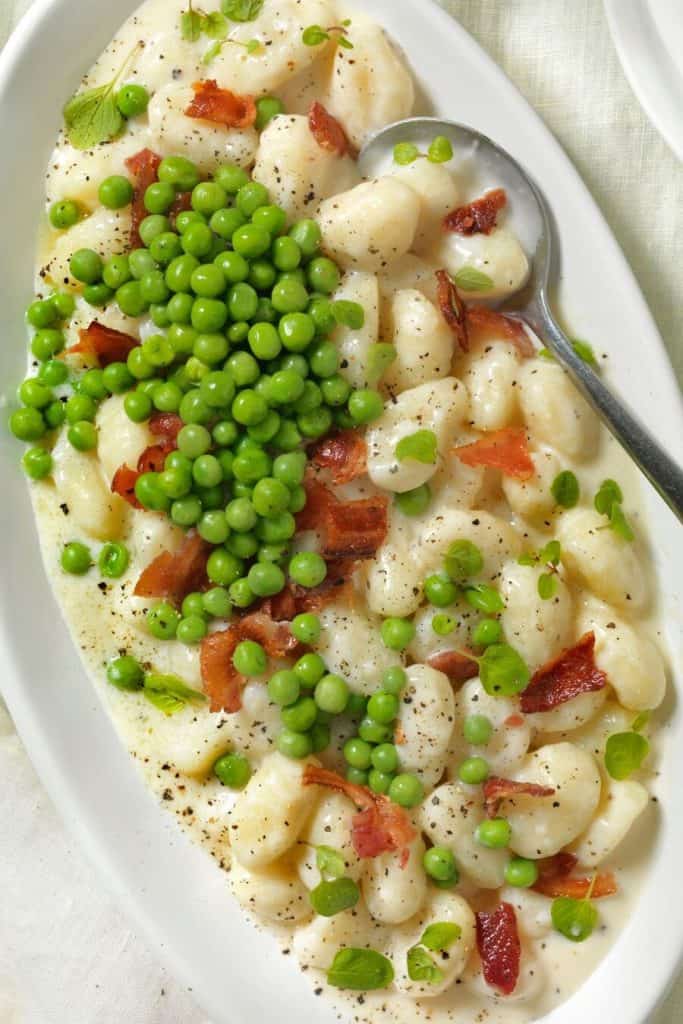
(551, 553)
(191, 24)
(314, 35)
(350, 314)
(502, 671)
(584, 351)
(380, 357)
(421, 967)
(443, 624)
(441, 935)
(469, 279)
(212, 52)
(620, 524)
(565, 489)
(405, 153)
(330, 898)
(484, 598)
(575, 919)
(441, 150)
(92, 117)
(169, 693)
(360, 969)
(547, 586)
(624, 753)
(639, 723)
(529, 558)
(420, 447)
(545, 353)
(253, 46)
(609, 494)
(463, 560)
(345, 43)
(215, 25)
(242, 10)
(330, 862)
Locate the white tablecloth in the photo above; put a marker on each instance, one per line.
(67, 956)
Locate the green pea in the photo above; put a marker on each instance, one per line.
(284, 688)
(212, 527)
(365, 406)
(286, 254)
(243, 545)
(159, 197)
(162, 620)
(115, 192)
(241, 593)
(266, 579)
(64, 214)
(178, 276)
(439, 864)
(397, 633)
(113, 560)
(521, 873)
(231, 178)
(242, 301)
(493, 833)
(477, 730)
(308, 236)
(223, 568)
(225, 433)
(80, 407)
(324, 359)
(179, 172)
(331, 694)
(250, 196)
(41, 313)
(383, 707)
(186, 511)
(335, 391)
(86, 266)
(47, 343)
(208, 197)
(487, 632)
(125, 673)
(385, 758)
(323, 275)
(233, 770)
(310, 668)
(116, 271)
(167, 397)
(165, 248)
(277, 528)
(296, 745)
(379, 782)
(97, 294)
(193, 409)
(132, 100)
(149, 493)
(249, 408)
(63, 304)
(82, 435)
(27, 424)
(406, 790)
(290, 296)
(473, 770)
(305, 628)
(53, 373)
(300, 716)
(484, 598)
(137, 406)
(270, 497)
(216, 602)
(37, 463)
(374, 732)
(320, 736)
(271, 218)
(175, 483)
(296, 331)
(358, 754)
(267, 107)
(197, 239)
(191, 629)
(76, 558)
(249, 466)
(440, 590)
(54, 415)
(130, 300)
(35, 394)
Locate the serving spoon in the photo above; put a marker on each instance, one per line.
(534, 227)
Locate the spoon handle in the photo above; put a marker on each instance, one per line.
(665, 475)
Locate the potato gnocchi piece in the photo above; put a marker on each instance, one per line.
(439, 194)
(601, 560)
(491, 379)
(455, 485)
(393, 893)
(593, 736)
(297, 171)
(621, 805)
(372, 224)
(370, 85)
(279, 27)
(425, 721)
(449, 817)
(509, 744)
(406, 272)
(573, 714)
(555, 412)
(352, 647)
(274, 893)
(391, 584)
(269, 815)
(317, 942)
(119, 440)
(76, 174)
(537, 628)
(533, 498)
(353, 343)
(439, 406)
(440, 907)
(426, 642)
(532, 910)
(105, 231)
(330, 825)
(173, 133)
(632, 662)
(543, 825)
(499, 256)
(531, 982)
(422, 339)
(81, 485)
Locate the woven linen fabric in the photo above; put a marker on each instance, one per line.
(67, 955)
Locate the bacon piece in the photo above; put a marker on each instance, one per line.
(108, 345)
(318, 500)
(221, 106)
(144, 166)
(174, 575)
(452, 308)
(221, 681)
(564, 677)
(497, 790)
(477, 217)
(506, 450)
(181, 204)
(514, 721)
(152, 459)
(499, 947)
(275, 637)
(482, 321)
(454, 664)
(344, 453)
(166, 425)
(123, 484)
(351, 529)
(327, 131)
(336, 586)
(380, 825)
(554, 880)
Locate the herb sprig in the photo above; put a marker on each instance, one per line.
(548, 556)
(607, 502)
(314, 35)
(92, 116)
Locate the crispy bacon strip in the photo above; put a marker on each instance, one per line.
(482, 321)
(152, 459)
(452, 308)
(477, 217)
(506, 450)
(344, 453)
(166, 425)
(554, 880)
(499, 947)
(144, 166)
(380, 825)
(174, 575)
(458, 667)
(221, 106)
(123, 484)
(327, 131)
(275, 637)
(351, 529)
(108, 345)
(496, 790)
(221, 681)
(571, 673)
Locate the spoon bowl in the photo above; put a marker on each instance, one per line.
(485, 164)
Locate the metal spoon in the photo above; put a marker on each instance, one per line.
(533, 225)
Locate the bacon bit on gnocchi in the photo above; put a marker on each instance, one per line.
(123, 483)
(554, 880)
(144, 166)
(105, 343)
(174, 575)
(499, 947)
(327, 130)
(482, 321)
(454, 664)
(221, 106)
(479, 216)
(496, 790)
(571, 672)
(351, 529)
(344, 454)
(506, 449)
(452, 308)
